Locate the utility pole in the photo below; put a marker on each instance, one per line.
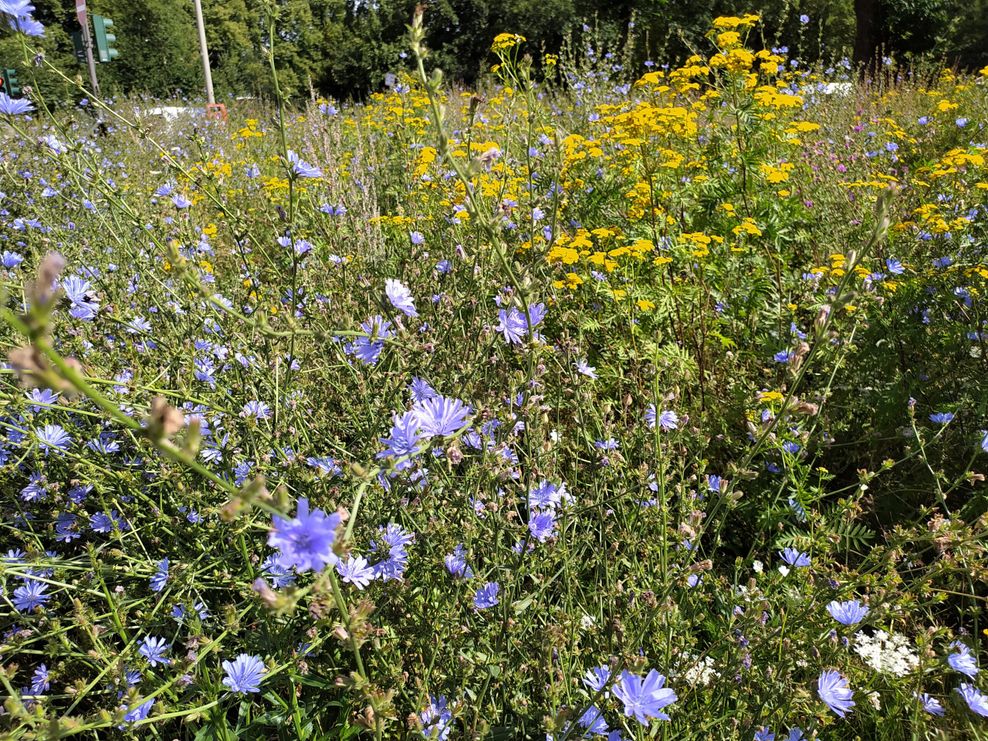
(87, 42)
(204, 51)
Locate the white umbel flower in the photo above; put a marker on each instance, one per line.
(886, 654)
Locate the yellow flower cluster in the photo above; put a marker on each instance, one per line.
(732, 22)
(249, 130)
(626, 179)
(505, 41)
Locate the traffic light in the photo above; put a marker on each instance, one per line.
(104, 40)
(9, 82)
(79, 46)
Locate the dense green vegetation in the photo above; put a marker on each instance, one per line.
(602, 399)
(344, 48)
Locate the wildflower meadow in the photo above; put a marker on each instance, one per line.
(597, 400)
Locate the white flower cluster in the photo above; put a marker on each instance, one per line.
(887, 654)
(699, 671)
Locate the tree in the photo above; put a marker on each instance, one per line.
(159, 53)
(344, 48)
(868, 19)
(359, 48)
(899, 27)
(57, 48)
(967, 37)
(233, 34)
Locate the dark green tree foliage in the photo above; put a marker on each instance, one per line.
(669, 30)
(362, 51)
(367, 40)
(233, 34)
(159, 53)
(56, 46)
(900, 27)
(462, 30)
(968, 34)
(457, 31)
(344, 48)
(300, 48)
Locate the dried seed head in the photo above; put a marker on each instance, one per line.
(43, 291)
(165, 420)
(33, 370)
(805, 407)
(367, 719)
(268, 596)
(29, 364)
(74, 364)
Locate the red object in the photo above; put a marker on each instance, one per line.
(216, 111)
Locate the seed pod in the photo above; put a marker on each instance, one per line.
(42, 292)
(164, 420)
